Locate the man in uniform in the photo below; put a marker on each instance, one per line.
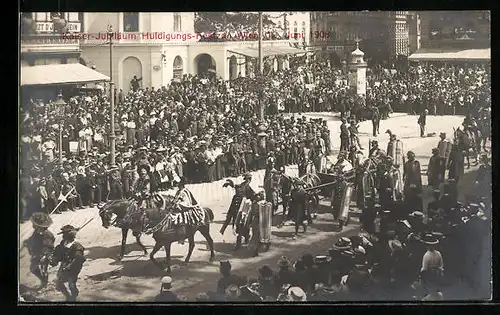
(70, 254)
(390, 145)
(40, 246)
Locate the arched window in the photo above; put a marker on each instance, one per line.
(178, 67)
(295, 29)
(177, 22)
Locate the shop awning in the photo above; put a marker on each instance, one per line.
(451, 55)
(60, 74)
(268, 51)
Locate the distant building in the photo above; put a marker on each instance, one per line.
(161, 46)
(295, 25)
(455, 29)
(384, 35)
(41, 39)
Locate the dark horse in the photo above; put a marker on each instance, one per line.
(122, 209)
(165, 233)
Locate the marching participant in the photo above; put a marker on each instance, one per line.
(343, 163)
(298, 198)
(40, 246)
(444, 146)
(241, 191)
(412, 181)
(70, 254)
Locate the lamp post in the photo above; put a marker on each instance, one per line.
(60, 107)
(112, 135)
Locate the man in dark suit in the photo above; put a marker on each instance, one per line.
(375, 121)
(422, 120)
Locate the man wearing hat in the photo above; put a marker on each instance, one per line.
(227, 277)
(432, 262)
(422, 120)
(444, 147)
(115, 184)
(484, 177)
(40, 246)
(70, 254)
(434, 172)
(435, 207)
(285, 275)
(412, 177)
(165, 294)
(374, 149)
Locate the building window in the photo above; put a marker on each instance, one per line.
(73, 17)
(304, 31)
(131, 22)
(178, 68)
(295, 29)
(177, 22)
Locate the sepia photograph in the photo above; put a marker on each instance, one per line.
(289, 156)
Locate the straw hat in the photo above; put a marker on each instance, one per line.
(296, 294)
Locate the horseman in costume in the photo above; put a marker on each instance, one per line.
(374, 148)
(40, 246)
(183, 200)
(412, 181)
(142, 188)
(70, 254)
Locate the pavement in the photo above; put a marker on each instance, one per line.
(134, 279)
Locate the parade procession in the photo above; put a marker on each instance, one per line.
(269, 186)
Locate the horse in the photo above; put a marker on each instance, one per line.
(165, 232)
(466, 141)
(122, 209)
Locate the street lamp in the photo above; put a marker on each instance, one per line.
(60, 108)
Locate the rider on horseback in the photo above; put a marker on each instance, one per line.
(183, 200)
(142, 188)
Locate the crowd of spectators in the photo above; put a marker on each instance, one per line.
(206, 129)
(439, 257)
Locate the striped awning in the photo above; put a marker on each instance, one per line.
(60, 74)
(268, 51)
(451, 55)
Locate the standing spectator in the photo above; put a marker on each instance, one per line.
(166, 295)
(422, 120)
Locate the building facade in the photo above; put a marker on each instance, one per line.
(414, 32)
(384, 35)
(158, 47)
(42, 42)
(455, 29)
(296, 26)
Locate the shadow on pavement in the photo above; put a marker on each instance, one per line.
(99, 252)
